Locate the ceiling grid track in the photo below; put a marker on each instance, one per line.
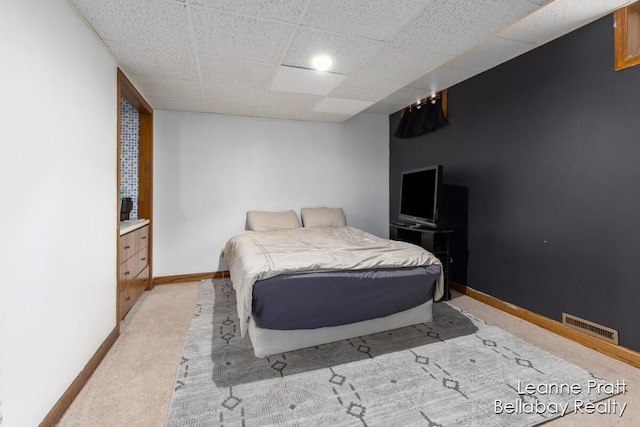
(252, 58)
(192, 34)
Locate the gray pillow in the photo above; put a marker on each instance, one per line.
(268, 221)
(323, 217)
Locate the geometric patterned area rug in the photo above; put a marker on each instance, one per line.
(456, 371)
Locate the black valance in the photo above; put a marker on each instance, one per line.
(423, 118)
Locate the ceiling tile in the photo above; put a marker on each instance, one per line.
(365, 89)
(407, 96)
(314, 116)
(289, 79)
(146, 22)
(341, 106)
(540, 2)
(441, 78)
(168, 88)
(388, 51)
(374, 19)
(453, 26)
(277, 10)
(233, 100)
(348, 51)
(491, 52)
(152, 61)
(177, 104)
(384, 108)
(400, 63)
(559, 18)
(240, 37)
(287, 105)
(235, 72)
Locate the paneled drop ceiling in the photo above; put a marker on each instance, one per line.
(252, 57)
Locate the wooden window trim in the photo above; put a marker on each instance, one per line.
(623, 59)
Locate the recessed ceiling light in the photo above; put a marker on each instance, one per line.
(322, 62)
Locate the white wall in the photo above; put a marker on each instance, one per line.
(210, 169)
(59, 203)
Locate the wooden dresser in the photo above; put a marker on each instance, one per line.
(133, 259)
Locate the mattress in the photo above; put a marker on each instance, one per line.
(317, 300)
(267, 342)
(254, 256)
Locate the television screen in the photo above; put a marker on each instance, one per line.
(419, 193)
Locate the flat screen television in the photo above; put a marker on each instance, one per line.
(419, 195)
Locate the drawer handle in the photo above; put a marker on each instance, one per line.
(127, 247)
(143, 237)
(127, 273)
(143, 259)
(128, 298)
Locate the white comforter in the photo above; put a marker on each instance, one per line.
(259, 255)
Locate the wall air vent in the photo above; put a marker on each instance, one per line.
(593, 329)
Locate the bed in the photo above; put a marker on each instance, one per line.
(299, 287)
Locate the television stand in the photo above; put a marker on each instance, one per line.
(434, 240)
(413, 225)
(423, 227)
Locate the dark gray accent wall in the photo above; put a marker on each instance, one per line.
(549, 146)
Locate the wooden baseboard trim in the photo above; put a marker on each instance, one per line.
(61, 406)
(618, 352)
(222, 274)
(184, 278)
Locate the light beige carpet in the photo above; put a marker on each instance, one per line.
(134, 383)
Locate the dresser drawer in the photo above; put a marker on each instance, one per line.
(126, 247)
(133, 276)
(128, 271)
(142, 258)
(132, 242)
(140, 283)
(134, 265)
(125, 299)
(142, 237)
